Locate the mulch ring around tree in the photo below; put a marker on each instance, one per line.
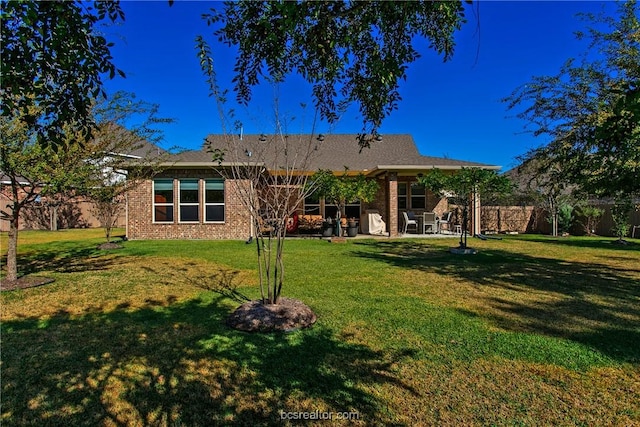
(24, 283)
(287, 316)
(109, 246)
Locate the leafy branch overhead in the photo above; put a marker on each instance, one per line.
(53, 59)
(350, 52)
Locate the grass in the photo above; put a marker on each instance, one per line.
(531, 331)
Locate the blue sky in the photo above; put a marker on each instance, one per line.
(452, 109)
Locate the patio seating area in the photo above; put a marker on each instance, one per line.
(429, 223)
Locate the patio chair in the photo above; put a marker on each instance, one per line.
(446, 217)
(407, 222)
(429, 222)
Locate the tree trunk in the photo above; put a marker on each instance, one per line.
(55, 217)
(338, 230)
(554, 217)
(12, 250)
(465, 218)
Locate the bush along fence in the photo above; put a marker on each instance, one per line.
(531, 219)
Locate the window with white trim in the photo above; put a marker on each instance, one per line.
(163, 200)
(189, 203)
(214, 200)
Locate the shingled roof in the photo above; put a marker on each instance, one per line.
(394, 152)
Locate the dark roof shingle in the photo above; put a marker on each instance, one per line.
(335, 152)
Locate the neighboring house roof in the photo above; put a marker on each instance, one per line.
(528, 179)
(143, 149)
(521, 178)
(395, 152)
(6, 180)
(123, 142)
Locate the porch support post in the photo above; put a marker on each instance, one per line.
(475, 213)
(392, 204)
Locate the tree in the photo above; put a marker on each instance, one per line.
(34, 171)
(620, 210)
(546, 185)
(588, 216)
(95, 168)
(460, 187)
(565, 218)
(124, 152)
(271, 199)
(269, 177)
(340, 190)
(591, 110)
(53, 58)
(348, 51)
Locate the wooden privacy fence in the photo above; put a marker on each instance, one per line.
(71, 214)
(529, 219)
(501, 219)
(606, 222)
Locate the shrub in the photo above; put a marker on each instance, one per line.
(589, 217)
(565, 217)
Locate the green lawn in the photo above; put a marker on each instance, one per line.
(531, 331)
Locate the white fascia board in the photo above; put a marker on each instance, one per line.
(126, 156)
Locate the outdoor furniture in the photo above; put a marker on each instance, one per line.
(371, 222)
(633, 233)
(265, 226)
(446, 217)
(429, 222)
(310, 223)
(409, 222)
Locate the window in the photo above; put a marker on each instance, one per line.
(189, 200)
(312, 204)
(352, 210)
(163, 200)
(418, 196)
(214, 200)
(402, 195)
(330, 210)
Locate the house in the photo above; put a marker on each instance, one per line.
(191, 200)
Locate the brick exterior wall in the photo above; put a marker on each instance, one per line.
(237, 222)
(433, 203)
(140, 225)
(392, 204)
(380, 201)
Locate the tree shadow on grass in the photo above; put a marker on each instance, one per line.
(70, 260)
(594, 304)
(177, 364)
(593, 243)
